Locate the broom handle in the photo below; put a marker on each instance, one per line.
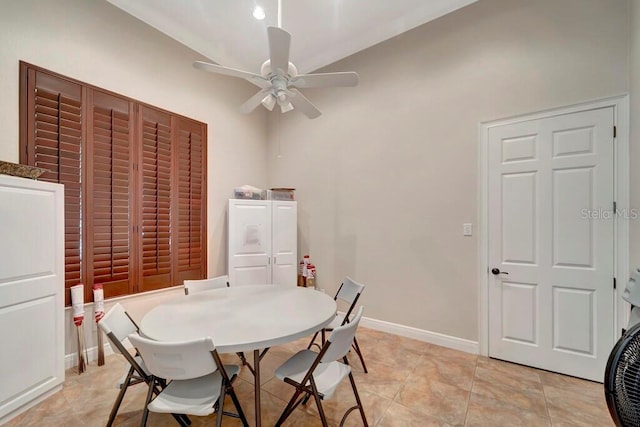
(84, 345)
(100, 348)
(81, 365)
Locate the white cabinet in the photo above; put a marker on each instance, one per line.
(262, 242)
(31, 292)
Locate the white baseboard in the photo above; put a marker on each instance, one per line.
(461, 344)
(436, 338)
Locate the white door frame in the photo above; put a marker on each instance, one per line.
(620, 106)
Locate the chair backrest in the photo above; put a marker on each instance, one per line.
(349, 292)
(176, 360)
(195, 286)
(117, 325)
(341, 338)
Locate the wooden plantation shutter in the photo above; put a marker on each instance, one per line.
(191, 189)
(109, 194)
(54, 142)
(135, 183)
(155, 176)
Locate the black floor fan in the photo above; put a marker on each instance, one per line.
(622, 379)
(622, 375)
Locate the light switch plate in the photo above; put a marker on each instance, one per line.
(467, 229)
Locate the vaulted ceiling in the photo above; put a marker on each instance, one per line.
(322, 31)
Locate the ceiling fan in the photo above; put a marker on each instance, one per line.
(279, 80)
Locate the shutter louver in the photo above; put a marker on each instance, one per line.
(190, 200)
(56, 145)
(109, 192)
(156, 199)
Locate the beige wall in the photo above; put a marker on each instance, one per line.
(386, 177)
(95, 42)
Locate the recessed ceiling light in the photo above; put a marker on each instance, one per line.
(258, 13)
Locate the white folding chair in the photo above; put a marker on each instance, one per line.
(198, 383)
(349, 292)
(117, 325)
(319, 374)
(195, 286)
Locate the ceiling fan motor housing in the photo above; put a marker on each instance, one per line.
(266, 71)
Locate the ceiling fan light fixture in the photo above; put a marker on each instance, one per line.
(258, 13)
(269, 102)
(282, 97)
(285, 107)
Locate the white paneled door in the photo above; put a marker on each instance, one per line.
(551, 242)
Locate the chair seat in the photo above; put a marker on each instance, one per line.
(327, 375)
(185, 396)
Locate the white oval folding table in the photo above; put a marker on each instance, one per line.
(242, 319)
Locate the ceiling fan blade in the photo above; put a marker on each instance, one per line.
(348, 78)
(300, 102)
(256, 79)
(279, 44)
(254, 101)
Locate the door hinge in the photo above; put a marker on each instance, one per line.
(615, 207)
(614, 283)
(615, 131)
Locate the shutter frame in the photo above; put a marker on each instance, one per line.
(66, 140)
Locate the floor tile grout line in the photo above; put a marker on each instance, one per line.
(473, 380)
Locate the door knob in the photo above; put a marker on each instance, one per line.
(496, 271)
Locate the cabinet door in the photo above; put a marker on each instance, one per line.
(249, 242)
(285, 243)
(31, 295)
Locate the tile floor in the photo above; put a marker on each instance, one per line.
(410, 383)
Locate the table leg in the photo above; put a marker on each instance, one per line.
(256, 385)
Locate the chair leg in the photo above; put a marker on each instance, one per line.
(145, 413)
(312, 340)
(289, 408)
(236, 403)
(358, 401)
(306, 399)
(182, 419)
(359, 353)
(242, 358)
(116, 404)
(323, 417)
(220, 405)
